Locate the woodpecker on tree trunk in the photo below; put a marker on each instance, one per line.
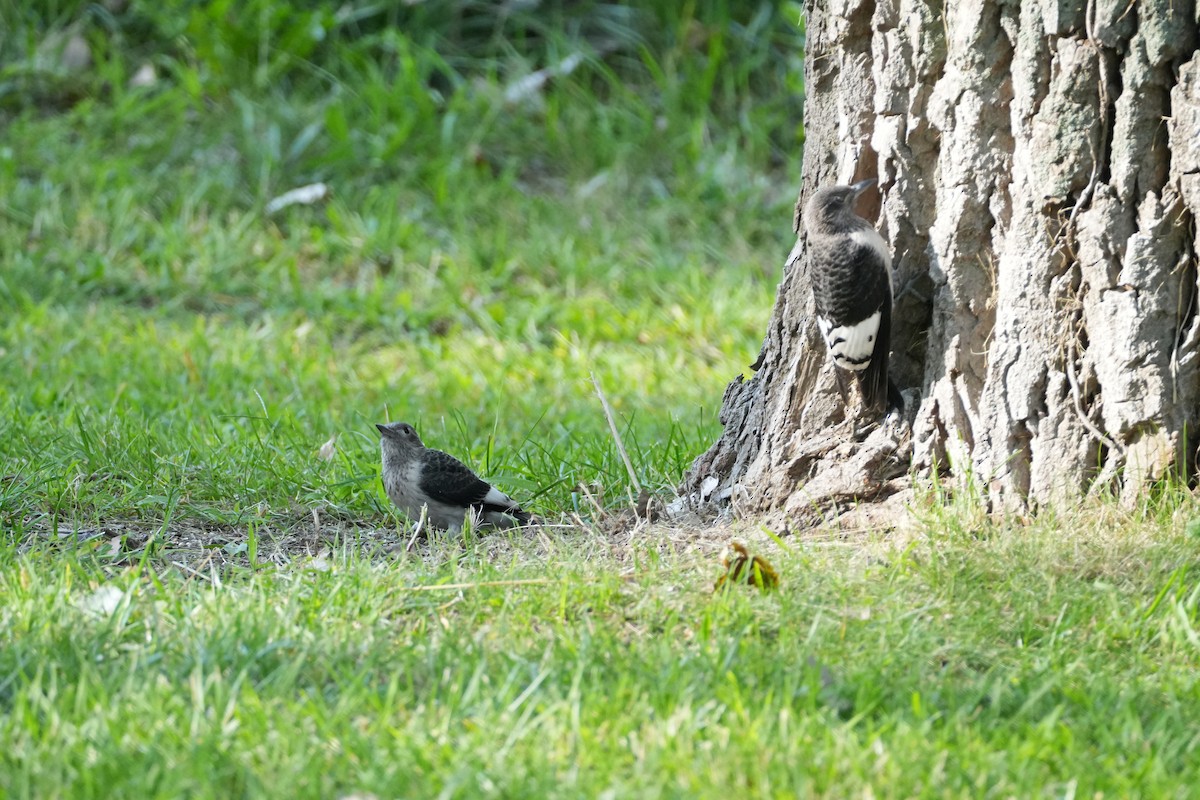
(851, 272)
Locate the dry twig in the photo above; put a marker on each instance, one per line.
(612, 425)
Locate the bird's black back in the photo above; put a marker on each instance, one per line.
(850, 280)
(448, 480)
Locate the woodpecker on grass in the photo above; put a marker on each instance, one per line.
(852, 286)
(417, 477)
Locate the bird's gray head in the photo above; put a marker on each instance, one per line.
(399, 436)
(831, 210)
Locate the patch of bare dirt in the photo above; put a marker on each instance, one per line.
(612, 537)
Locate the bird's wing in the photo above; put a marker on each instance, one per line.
(851, 287)
(447, 480)
(851, 280)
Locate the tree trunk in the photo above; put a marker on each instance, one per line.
(1039, 185)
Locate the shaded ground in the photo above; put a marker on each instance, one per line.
(310, 541)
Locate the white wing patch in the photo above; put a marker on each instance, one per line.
(851, 345)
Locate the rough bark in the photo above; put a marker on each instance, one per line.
(1039, 168)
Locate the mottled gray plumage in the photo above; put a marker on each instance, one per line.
(417, 477)
(852, 287)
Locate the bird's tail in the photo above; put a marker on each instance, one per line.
(879, 392)
(509, 509)
(873, 381)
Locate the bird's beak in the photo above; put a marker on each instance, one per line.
(862, 186)
(383, 428)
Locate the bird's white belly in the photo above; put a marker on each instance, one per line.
(404, 494)
(851, 345)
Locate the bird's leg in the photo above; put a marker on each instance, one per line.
(895, 397)
(910, 288)
(898, 423)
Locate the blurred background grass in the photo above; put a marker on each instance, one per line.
(520, 194)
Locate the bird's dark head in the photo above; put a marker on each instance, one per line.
(832, 209)
(399, 435)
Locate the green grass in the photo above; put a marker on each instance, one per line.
(1000, 662)
(194, 603)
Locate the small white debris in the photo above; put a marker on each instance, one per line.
(594, 184)
(527, 88)
(329, 449)
(305, 195)
(102, 602)
(77, 54)
(79, 534)
(707, 486)
(680, 504)
(145, 76)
